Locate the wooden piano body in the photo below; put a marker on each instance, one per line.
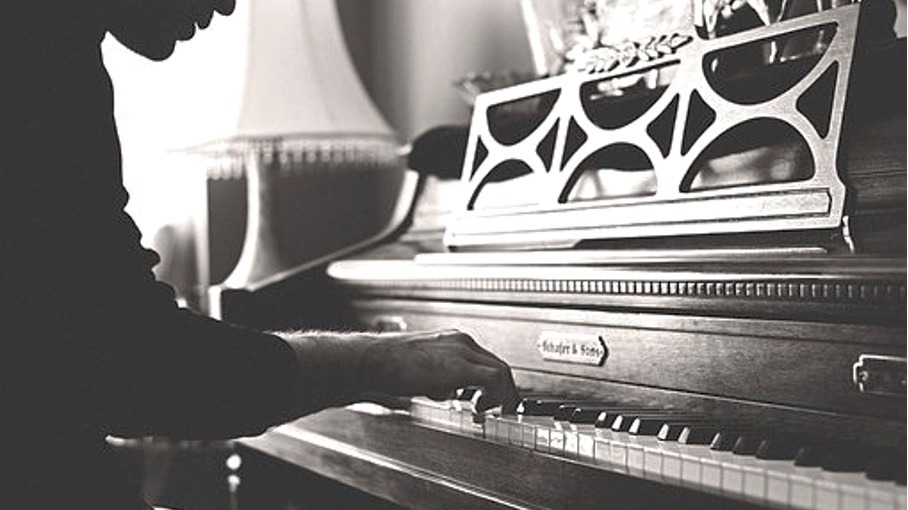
(746, 340)
(801, 339)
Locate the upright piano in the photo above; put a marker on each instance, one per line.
(700, 286)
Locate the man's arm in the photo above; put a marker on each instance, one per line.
(183, 375)
(349, 366)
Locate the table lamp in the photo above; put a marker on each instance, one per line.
(322, 167)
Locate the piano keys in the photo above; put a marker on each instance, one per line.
(753, 465)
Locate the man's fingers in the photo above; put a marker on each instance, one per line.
(435, 364)
(492, 373)
(499, 391)
(496, 387)
(503, 389)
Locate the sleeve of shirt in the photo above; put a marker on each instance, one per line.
(179, 374)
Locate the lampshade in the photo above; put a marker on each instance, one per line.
(299, 78)
(321, 165)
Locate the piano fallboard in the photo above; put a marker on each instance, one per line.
(776, 368)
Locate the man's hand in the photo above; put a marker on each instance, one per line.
(434, 364)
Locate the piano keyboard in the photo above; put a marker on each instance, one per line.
(735, 460)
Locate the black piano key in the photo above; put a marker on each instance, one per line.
(625, 420)
(846, 459)
(651, 425)
(586, 414)
(670, 431)
(723, 441)
(811, 455)
(747, 444)
(699, 434)
(465, 394)
(881, 471)
(563, 413)
(673, 430)
(886, 466)
(779, 448)
(726, 438)
(607, 418)
(538, 407)
(646, 426)
(566, 410)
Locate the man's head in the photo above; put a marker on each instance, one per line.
(152, 27)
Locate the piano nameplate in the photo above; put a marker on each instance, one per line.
(579, 349)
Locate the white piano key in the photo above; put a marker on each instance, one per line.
(671, 465)
(883, 495)
(826, 495)
(514, 432)
(778, 487)
(417, 413)
(510, 433)
(755, 481)
(490, 428)
(474, 428)
(494, 430)
(618, 454)
(601, 451)
(644, 456)
(542, 438)
(556, 440)
(711, 473)
(440, 415)
(526, 435)
(774, 476)
(455, 419)
(802, 489)
(852, 497)
(634, 458)
(571, 446)
(652, 461)
(732, 476)
(586, 446)
(691, 470)
(503, 430)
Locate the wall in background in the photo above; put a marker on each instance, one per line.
(409, 52)
(161, 107)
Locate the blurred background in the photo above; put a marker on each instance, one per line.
(408, 54)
